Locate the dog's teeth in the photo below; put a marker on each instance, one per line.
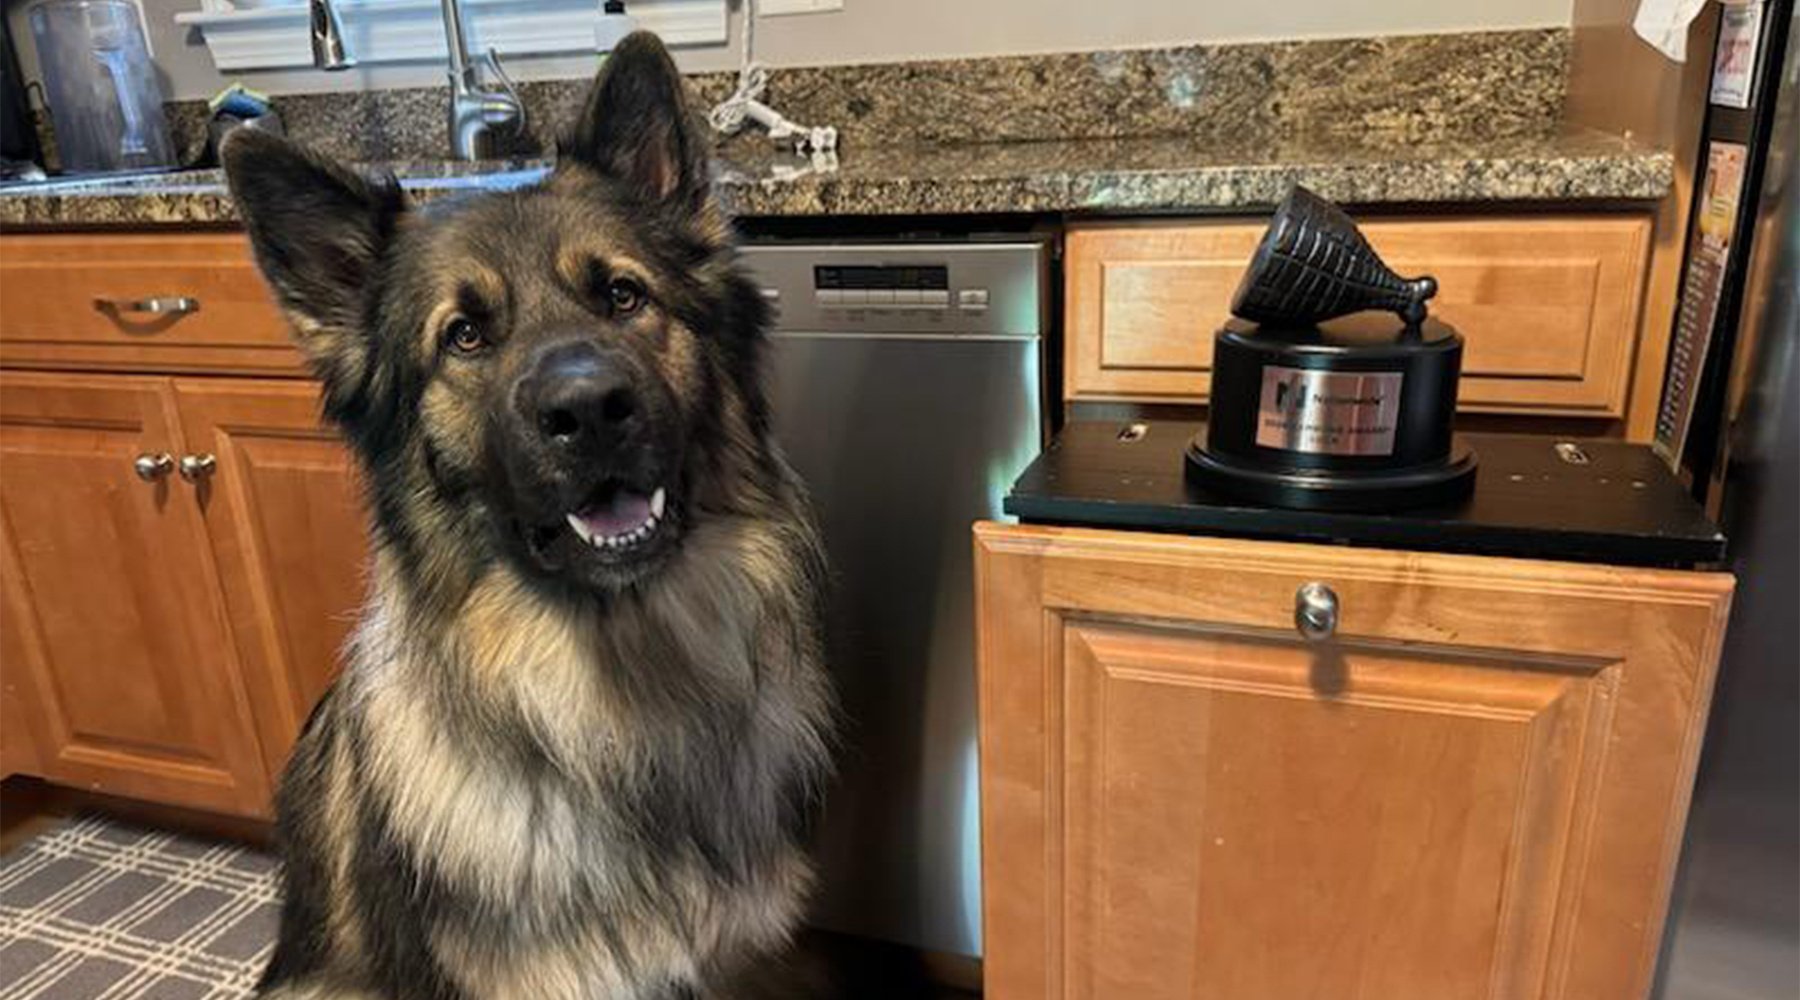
(581, 529)
(624, 539)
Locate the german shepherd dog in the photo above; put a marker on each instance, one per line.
(583, 722)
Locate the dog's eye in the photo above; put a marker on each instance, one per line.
(464, 336)
(624, 295)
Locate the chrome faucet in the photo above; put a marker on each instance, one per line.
(328, 50)
(475, 112)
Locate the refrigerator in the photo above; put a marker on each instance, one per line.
(1734, 928)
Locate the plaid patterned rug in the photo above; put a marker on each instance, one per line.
(96, 910)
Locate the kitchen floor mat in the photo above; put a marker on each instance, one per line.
(96, 909)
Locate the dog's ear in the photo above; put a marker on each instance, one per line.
(636, 127)
(318, 229)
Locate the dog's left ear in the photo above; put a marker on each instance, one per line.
(637, 129)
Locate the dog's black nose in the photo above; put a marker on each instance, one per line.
(576, 397)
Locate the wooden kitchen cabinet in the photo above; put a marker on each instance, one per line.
(1548, 305)
(163, 640)
(285, 524)
(1475, 789)
(18, 746)
(115, 634)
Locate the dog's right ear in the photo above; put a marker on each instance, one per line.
(318, 229)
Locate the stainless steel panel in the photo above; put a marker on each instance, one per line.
(1734, 931)
(905, 439)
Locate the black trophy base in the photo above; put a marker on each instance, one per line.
(1336, 489)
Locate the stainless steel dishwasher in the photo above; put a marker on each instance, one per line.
(908, 390)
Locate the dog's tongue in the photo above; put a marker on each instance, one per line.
(622, 512)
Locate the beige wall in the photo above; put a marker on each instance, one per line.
(898, 30)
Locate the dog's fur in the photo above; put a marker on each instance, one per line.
(544, 772)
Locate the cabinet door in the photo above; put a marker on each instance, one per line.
(1475, 790)
(18, 744)
(114, 630)
(287, 529)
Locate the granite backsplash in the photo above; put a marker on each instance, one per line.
(1465, 86)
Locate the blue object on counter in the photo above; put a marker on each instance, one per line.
(237, 106)
(239, 102)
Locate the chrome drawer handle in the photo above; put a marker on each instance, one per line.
(150, 468)
(197, 467)
(1316, 611)
(157, 305)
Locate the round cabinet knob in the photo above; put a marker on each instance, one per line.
(197, 467)
(1316, 611)
(150, 468)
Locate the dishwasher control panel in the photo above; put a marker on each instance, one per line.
(960, 288)
(871, 286)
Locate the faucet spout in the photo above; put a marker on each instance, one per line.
(328, 51)
(476, 112)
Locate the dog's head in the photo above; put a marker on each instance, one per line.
(563, 375)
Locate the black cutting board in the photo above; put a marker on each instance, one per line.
(1622, 506)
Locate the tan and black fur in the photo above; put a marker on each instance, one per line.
(549, 769)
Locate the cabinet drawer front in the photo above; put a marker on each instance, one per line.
(1549, 306)
(137, 299)
(1474, 790)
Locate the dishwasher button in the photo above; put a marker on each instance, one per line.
(907, 298)
(972, 300)
(935, 298)
(830, 298)
(881, 297)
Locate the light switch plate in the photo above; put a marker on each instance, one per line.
(780, 8)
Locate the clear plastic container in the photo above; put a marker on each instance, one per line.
(106, 106)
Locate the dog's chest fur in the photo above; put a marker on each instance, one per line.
(556, 804)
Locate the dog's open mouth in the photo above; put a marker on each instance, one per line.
(619, 525)
(618, 518)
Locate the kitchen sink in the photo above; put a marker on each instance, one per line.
(470, 175)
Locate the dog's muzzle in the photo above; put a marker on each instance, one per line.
(589, 436)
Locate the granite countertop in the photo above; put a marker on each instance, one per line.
(1097, 176)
